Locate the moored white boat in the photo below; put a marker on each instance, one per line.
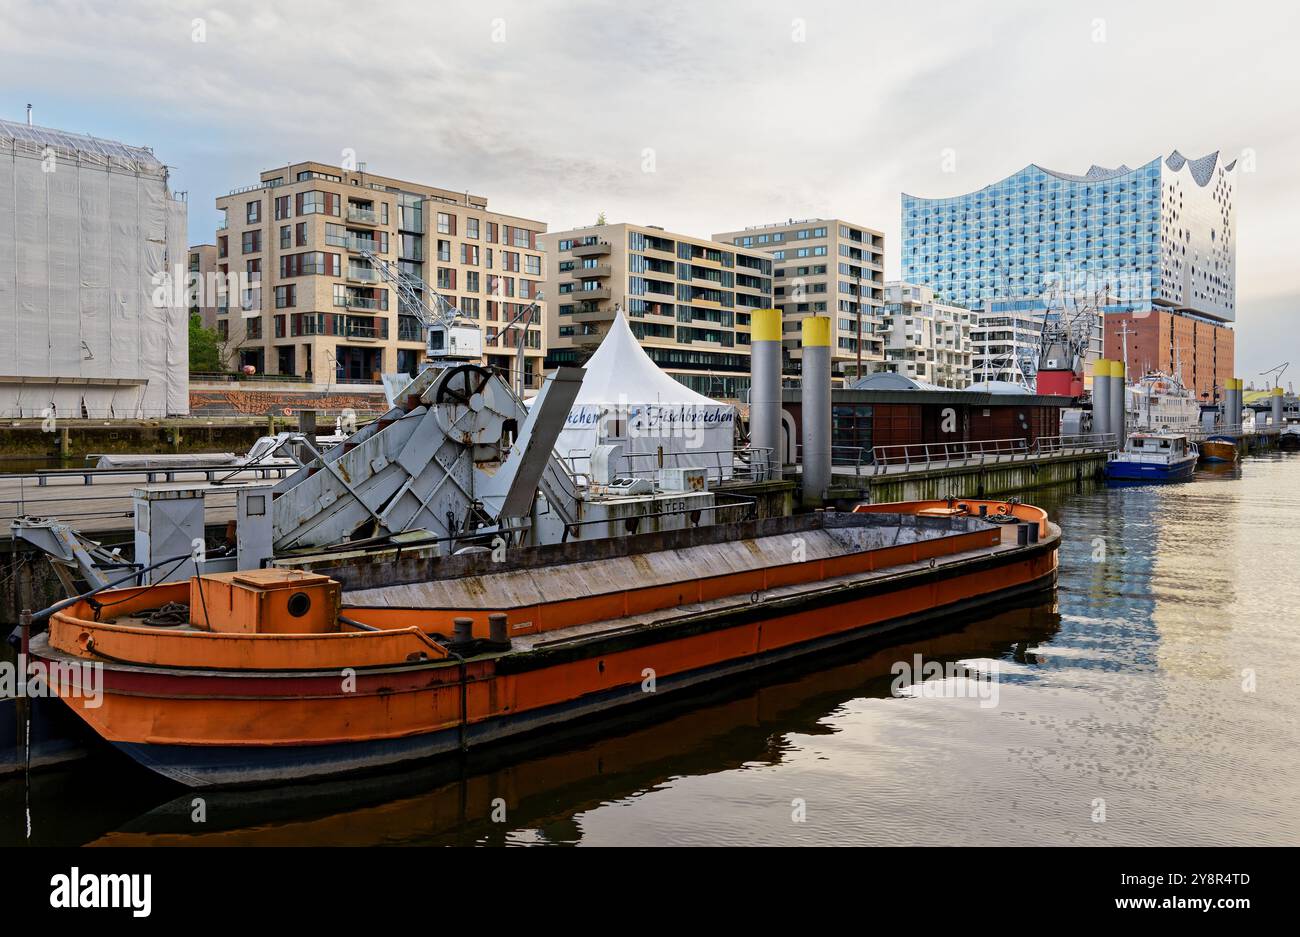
(1153, 457)
(1158, 401)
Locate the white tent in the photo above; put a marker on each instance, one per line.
(625, 399)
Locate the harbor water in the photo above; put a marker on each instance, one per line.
(1152, 702)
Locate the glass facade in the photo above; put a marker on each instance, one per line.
(1126, 239)
(1035, 232)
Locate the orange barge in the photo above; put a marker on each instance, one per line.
(279, 674)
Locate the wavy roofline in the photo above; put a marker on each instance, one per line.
(1201, 171)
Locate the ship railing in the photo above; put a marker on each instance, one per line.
(752, 463)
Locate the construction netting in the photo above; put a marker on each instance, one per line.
(93, 323)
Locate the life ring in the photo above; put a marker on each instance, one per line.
(288, 411)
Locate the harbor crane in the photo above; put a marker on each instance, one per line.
(452, 338)
(1279, 370)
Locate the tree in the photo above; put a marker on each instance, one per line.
(204, 355)
(600, 219)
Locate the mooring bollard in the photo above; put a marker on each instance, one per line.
(498, 633)
(462, 630)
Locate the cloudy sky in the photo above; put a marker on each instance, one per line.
(698, 116)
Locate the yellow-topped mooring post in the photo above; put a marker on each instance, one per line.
(1118, 395)
(815, 410)
(1101, 396)
(765, 386)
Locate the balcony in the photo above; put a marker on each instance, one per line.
(362, 216)
(587, 273)
(361, 333)
(363, 275)
(592, 250)
(591, 315)
(593, 295)
(361, 302)
(356, 245)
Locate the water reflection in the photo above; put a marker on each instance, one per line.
(454, 803)
(1152, 703)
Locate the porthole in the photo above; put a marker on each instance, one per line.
(299, 604)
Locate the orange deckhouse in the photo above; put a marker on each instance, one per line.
(283, 673)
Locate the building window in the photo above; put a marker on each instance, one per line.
(318, 203)
(471, 227)
(283, 207)
(315, 262)
(286, 296)
(301, 233)
(252, 241)
(533, 265)
(254, 211)
(286, 236)
(222, 245)
(446, 223)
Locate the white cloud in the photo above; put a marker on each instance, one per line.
(747, 125)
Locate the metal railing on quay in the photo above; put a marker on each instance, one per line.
(200, 417)
(151, 474)
(917, 457)
(1201, 433)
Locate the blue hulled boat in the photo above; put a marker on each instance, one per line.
(1153, 457)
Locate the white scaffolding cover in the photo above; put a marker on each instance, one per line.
(626, 399)
(92, 322)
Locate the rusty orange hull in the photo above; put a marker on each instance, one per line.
(227, 725)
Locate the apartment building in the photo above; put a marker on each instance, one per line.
(830, 267)
(926, 340)
(313, 304)
(1004, 345)
(688, 300)
(201, 267)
